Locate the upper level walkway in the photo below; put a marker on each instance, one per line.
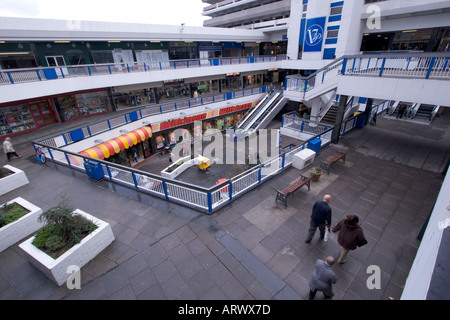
(21, 84)
(413, 77)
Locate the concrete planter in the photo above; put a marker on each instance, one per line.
(79, 255)
(19, 229)
(13, 181)
(186, 164)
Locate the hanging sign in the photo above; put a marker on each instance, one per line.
(314, 34)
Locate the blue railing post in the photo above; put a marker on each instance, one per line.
(68, 160)
(187, 64)
(10, 78)
(259, 174)
(160, 66)
(344, 66)
(230, 190)
(39, 76)
(109, 68)
(50, 153)
(128, 68)
(62, 72)
(65, 140)
(175, 106)
(209, 202)
(109, 172)
(382, 67)
(160, 109)
(283, 159)
(109, 124)
(430, 68)
(306, 84)
(89, 70)
(134, 179)
(145, 67)
(89, 131)
(166, 194)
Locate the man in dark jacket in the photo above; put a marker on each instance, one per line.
(320, 218)
(350, 236)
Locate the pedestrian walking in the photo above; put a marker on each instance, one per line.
(322, 278)
(320, 218)
(350, 237)
(401, 110)
(9, 149)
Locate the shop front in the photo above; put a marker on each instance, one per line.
(73, 106)
(16, 118)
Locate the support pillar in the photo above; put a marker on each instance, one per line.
(339, 118)
(368, 110)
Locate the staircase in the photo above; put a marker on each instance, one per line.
(330, 116)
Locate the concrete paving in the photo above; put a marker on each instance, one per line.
(253, 248)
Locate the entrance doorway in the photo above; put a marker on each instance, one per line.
(42, 113)
(57, 61)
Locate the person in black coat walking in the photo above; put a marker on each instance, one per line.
(320, 218)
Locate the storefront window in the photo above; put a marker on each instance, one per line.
(231, 84)
(94, 102)
(68, 107)
(16, 119)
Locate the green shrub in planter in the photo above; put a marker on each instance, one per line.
(63, 229)
(10, 213)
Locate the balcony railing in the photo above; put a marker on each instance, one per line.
(13, 76)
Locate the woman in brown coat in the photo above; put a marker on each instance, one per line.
(350, 236)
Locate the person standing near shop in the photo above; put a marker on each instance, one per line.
(320, 218)
(350, 237)
(9, 149)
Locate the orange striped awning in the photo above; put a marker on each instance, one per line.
(111, 147)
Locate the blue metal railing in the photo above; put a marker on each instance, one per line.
(207, 200)
(404, 65)
(95, 128)
(14, 76)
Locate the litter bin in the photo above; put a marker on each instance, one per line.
(360, 121)
(94, 170)
(315, 144)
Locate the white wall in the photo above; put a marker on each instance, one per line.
(351, 29)
(413, 90)
(418, 281)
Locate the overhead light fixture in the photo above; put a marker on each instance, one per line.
(155, 41)
(113, 41)
(13, 53)
(405, 31)
(61, 41)
(2, 41)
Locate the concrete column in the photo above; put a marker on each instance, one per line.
(339, 117)
(295, 18)
(315, 110)
(368, 109)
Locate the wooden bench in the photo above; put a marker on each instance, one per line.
(294, 186)
(326, 165)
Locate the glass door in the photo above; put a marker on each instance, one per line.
(42, 113)
(57, 62)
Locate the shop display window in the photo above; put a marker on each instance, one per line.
(68, 107)
(15, 119)
(93, 102)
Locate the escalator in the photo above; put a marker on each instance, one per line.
(263, 113)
